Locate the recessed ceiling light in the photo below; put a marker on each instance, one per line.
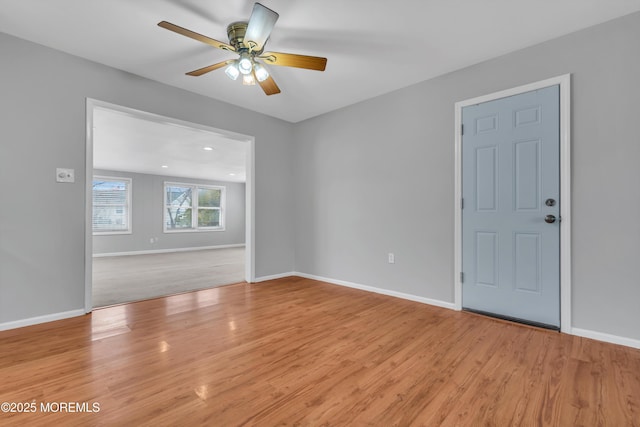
(232, 174)
(208, 148)
(164, 166)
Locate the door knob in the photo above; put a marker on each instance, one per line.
(550, 219)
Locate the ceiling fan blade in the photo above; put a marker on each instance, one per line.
(210, 68)
(204, 39)
(269, 86)
(293, 60)
(259, 28)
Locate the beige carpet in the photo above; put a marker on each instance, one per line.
(123, 279)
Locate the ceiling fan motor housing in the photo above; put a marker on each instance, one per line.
(236, 32)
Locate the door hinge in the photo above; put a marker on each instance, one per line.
(461, 129)
(461, 277)
(462, 203)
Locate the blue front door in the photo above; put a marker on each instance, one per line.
(511, 211)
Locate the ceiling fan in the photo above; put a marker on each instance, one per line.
(248, 40)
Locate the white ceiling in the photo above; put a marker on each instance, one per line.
(137, 142)
(372, 46)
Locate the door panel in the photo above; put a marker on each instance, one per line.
(527, 262)
(487, 259)
(527, 176)
(486, 179)
(510, 166)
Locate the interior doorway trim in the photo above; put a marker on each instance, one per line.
(91, 104)
(564, 81)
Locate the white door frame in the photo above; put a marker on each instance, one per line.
(564, 82)
(249, 189)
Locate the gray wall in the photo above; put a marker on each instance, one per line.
(43, 108)
(378, 177)
(147, 217)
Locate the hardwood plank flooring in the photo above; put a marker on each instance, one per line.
(303, 353)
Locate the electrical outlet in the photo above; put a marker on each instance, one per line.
(65, 175)
(392, 258)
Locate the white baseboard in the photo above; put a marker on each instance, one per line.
(40, 319)
(165, 251)
(274, 276)
(601, 336)
(387, 292)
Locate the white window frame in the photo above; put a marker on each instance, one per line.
(129, 182)
(194, 207)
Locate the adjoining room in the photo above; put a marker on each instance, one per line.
(168, 207)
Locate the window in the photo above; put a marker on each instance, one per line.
(111, 205)
(191, 207)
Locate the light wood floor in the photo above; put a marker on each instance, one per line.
(298, 352)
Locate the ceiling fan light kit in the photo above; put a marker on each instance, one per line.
(232, 71)
(248, 40)
(248, 80)
(245, 63)
(261, 73)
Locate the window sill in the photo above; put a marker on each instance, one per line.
(111, 233)
(194, 230)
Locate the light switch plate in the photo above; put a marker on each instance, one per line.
(65, 175)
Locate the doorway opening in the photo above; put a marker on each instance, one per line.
(169, 206)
